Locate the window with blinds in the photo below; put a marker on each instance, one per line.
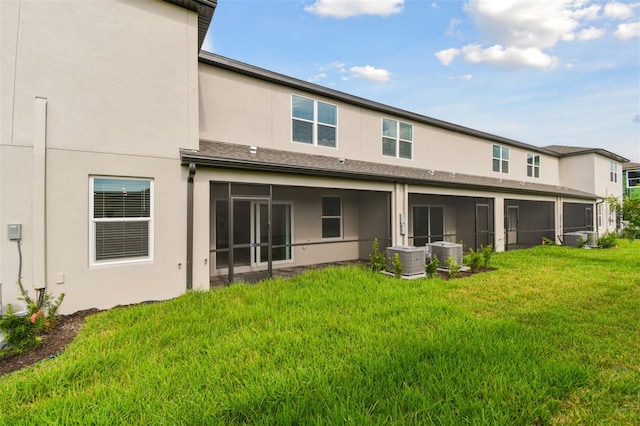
(121, 219)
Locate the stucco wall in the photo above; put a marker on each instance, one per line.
(120, 83)
(239, 109)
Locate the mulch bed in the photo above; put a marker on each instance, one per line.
(52, 343)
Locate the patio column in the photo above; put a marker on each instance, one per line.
(499, 224)
(400, 214)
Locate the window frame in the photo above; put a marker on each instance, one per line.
(613, 172)
(502, 159)
(397, 139)
(93, 222)
(533, 169)
(316, 124)
(635, 179)
(339, 217)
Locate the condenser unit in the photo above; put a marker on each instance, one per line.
(444, 251)
(592, 238)
(412, 259)
(575, 239)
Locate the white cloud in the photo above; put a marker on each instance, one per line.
(348, 8)
(447, 56)
(317, 77)
(451, 29)
(522, 32)
(620, 11)
(628, 31)
(509, 57)
(461, 77)
(590, 33)
(371, 73)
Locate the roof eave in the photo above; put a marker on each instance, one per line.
(204, 160)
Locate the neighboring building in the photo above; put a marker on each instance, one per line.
(139, 168)
(631, 180)
(596, 171)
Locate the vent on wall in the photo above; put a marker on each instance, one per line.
(445, 250)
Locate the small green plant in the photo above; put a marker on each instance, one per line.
(378, 259)
(397, 265)
(432, 267)
(487, 252)
(474, 259)
(608, 240)
(23, 331)
(454, 267)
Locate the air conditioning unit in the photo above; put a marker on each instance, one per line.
(575, 239)
(412, 259)
(592, 238)
(445, 250)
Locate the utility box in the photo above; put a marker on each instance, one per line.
(412, 259)
(444, 251)
(14, 231)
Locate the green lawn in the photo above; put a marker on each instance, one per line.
(550, 337)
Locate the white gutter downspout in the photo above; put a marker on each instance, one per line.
(38, 195)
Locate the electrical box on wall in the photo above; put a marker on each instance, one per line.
(14, 231)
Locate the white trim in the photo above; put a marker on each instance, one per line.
(92, 224)
(315, 123)
(396, 139)
(341, 217)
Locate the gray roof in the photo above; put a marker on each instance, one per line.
(235, 156)
(204, 9)
(566, 151)
(631, 166)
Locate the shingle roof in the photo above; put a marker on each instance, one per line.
(566, 151)
(630, 166)
(235, 156)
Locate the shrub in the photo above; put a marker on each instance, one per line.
(548, 242)
(608, 240)
(474, 259)
(378, 260)
(487, 252)
(397, 265)
(454, 268)
(431, 267)
(22, 331)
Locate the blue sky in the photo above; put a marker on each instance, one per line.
(543, 72)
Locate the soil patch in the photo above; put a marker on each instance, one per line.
(52, 343)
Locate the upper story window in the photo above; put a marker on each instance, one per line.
(397, 139)
(121, 220)
(533, 165)
(314, 122)
(613, 172)
(500, 159)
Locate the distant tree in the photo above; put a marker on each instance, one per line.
(629, 210)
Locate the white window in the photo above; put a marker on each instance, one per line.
(500, 159)
(121, 220)
(613, 172)
(533, 165)
(331, 217)
(599, 215)
(633, 178)
(313, 122)
(397, 139)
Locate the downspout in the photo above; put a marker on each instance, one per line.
(192, 173)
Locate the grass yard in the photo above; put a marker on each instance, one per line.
(550, 337)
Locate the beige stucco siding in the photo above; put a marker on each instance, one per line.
(120, 84)
(240, 109)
